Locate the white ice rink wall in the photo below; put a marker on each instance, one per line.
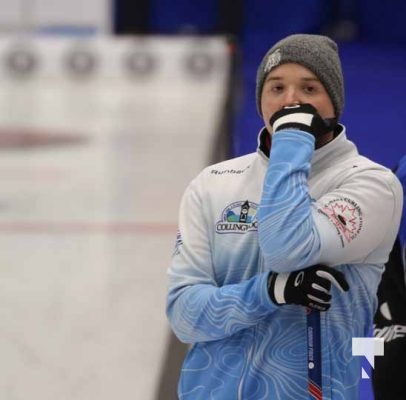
(38, 15)
(98, 139)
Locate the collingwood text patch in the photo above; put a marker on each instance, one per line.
(238, 217)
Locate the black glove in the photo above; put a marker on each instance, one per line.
(308, 287)
(303, 117)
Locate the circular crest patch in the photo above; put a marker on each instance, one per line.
(346, 215)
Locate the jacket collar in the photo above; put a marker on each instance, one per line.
(323, 157)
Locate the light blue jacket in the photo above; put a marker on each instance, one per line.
(241, 219)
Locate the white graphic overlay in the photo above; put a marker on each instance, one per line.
(369, 348)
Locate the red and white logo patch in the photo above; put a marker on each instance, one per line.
(346, 215)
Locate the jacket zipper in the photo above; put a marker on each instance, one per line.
(248, 362)
(244, 371)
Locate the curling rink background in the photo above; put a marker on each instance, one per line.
(98, 140)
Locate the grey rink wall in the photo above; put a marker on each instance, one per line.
(98, 139)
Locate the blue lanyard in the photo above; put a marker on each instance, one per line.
(314, 354)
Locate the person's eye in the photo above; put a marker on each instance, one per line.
(277, 88)
(309, 89)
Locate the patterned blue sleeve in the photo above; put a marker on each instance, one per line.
(202, 313)
(199, 309)
(286, 231)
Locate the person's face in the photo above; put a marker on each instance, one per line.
(290, 84)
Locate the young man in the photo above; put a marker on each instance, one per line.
(303, 223)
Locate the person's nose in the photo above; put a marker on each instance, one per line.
(291, 97)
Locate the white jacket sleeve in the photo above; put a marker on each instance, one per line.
(355, 223)
(197, 308)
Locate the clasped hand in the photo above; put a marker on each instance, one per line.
(310, 287)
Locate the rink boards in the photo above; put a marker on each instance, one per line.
(98, 139)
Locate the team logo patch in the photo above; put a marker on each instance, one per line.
(346, 215)
(392, 331)
(273, 60)
(238, 217)
(178, 244)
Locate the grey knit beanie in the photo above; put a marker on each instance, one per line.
(317, 53)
